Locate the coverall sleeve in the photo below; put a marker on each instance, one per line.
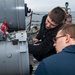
(41, 50)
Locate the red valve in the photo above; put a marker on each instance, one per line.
(4, 27)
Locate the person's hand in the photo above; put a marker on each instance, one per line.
(35, 40)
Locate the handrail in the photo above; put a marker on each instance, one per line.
(30, 23)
